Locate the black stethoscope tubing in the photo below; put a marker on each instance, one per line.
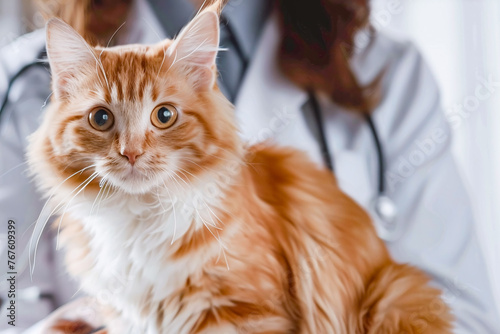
(383, 207)
(325, 150)
(40, 62)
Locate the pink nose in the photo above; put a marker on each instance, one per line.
(131, 155)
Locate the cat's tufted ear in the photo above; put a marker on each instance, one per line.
(196, 47)
(69, 55)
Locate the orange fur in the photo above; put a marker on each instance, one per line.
(285, 250)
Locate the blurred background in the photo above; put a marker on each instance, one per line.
(460, 39)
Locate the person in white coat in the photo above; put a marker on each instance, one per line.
(397, 165)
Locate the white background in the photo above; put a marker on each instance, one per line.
(460, 39)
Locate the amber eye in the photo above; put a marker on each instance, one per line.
(101, 119)
(164, 116)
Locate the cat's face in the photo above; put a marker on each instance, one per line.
(143, 115)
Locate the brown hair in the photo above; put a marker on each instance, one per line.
(317, 42)
(75, 13)
(95, 20)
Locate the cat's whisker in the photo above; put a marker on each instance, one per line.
(213, 213)
(27, 229)
(103, 180)
(74, 161)
(153, 30)
(102, 185)
(52, 194)
(105, 188)
(173, 177)
(46, 100)
(194, 50)
(180, 178)
(111, 38)
(97, 197)
(206, 222)
(86, 183)
(234, 157)
(204, 201)
(98, 65)
(182, 170)
(217, 238)
(15, 167)
(175, 217)
(163, 61)
(159, 199)
(109, 194)
(79, 188)
(76, 292)
(57, 207)
(173, 62)
(98, 76)
(196, 164)
(173, 208)
(164, 50)
(100, 54)
(201, 8)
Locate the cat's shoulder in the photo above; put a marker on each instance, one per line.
(285, 160)
(282, 169)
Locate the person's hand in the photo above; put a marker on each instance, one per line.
(64, 326)
(83, 316)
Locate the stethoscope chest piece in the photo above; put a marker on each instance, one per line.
(385, 218)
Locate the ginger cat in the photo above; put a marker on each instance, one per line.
(140, 153)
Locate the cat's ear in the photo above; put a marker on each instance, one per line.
(196, 47)
(68, 55)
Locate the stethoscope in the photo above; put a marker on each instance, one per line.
(40, 62)
(384, 209)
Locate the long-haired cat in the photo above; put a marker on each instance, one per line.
(140, 152)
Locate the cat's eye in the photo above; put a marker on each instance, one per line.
(164, 116)
(101, 119)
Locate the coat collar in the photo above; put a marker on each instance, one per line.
(173, 15)
(269, 105)
(246, 18)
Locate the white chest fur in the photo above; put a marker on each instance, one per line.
(130, 239)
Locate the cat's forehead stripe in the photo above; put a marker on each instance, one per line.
(131, 74)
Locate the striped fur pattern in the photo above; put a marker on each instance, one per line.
(200, 233)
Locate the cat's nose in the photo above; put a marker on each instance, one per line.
(131, 155)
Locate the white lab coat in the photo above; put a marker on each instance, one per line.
(434, 229)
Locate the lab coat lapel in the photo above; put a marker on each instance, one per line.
(269, 106)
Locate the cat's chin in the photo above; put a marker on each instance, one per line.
(135, 189)
(133, 183)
